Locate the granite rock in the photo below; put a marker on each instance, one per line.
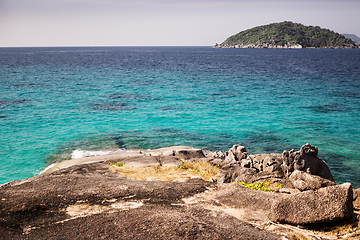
(323, 205)
(356, 196)
(91, 201)
(305, 181)
(305, 160)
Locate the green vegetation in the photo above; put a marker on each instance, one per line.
(285, 33)
(118, 164)
(257, 186)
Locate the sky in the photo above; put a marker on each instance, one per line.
(50, 23)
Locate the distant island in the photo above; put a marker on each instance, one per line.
(353, 37)
(287, 35)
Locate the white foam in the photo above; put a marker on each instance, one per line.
(78, 153)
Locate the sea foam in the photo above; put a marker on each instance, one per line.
(78, 153)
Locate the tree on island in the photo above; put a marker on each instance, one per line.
(287, 35)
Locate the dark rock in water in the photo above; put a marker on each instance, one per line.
(125, 96)
(320, 206)
(305, 181)
(111, 106)
(168, 108)
(305, 160)
(328, 108)
(30, 84)
(13, 102)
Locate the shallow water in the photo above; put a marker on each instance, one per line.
(54, 101)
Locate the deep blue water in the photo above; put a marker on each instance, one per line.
(56, 100)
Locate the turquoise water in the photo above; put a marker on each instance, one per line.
(56, 100)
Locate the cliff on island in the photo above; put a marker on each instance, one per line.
(183, 193)
(287, 35)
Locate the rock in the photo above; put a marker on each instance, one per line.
(236, 196)
(323, 205)
(239, 167)
(189, 154)
(217, 162)
(268, 162)
(91, 201)
(230, 157)
(356, 199)
(235, 154)
(305, 181)
(234, 172)
(272, 163)
(218, 154)
(152, 222)
(246, 163)
(183, 152)
(239, 151)
(305, 160)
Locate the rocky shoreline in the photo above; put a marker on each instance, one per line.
(263, 45)
(274, 46)
(86, 198)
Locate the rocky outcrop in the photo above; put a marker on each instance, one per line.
(91, 201)
(268, 163)
(86, 198)
(323, 205)
(305, 181)
(236, 196)
(305, 160)
(235, 173)
(263, 45)
(302, 170)
(356, 196)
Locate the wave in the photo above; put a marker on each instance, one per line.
(78, 153)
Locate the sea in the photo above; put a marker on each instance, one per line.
(58, 103)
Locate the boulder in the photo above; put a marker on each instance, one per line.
(246, 163)
(235, 154)
(218, 154)
(305, 160)
(234, 172)
(356, 199)
(189, 154)
(239, 151)
(183, 152)
(323, 205)
(268, 162)
(230, 157)
(236, 196)
(305, 181)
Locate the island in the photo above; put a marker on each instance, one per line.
(287, 35)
